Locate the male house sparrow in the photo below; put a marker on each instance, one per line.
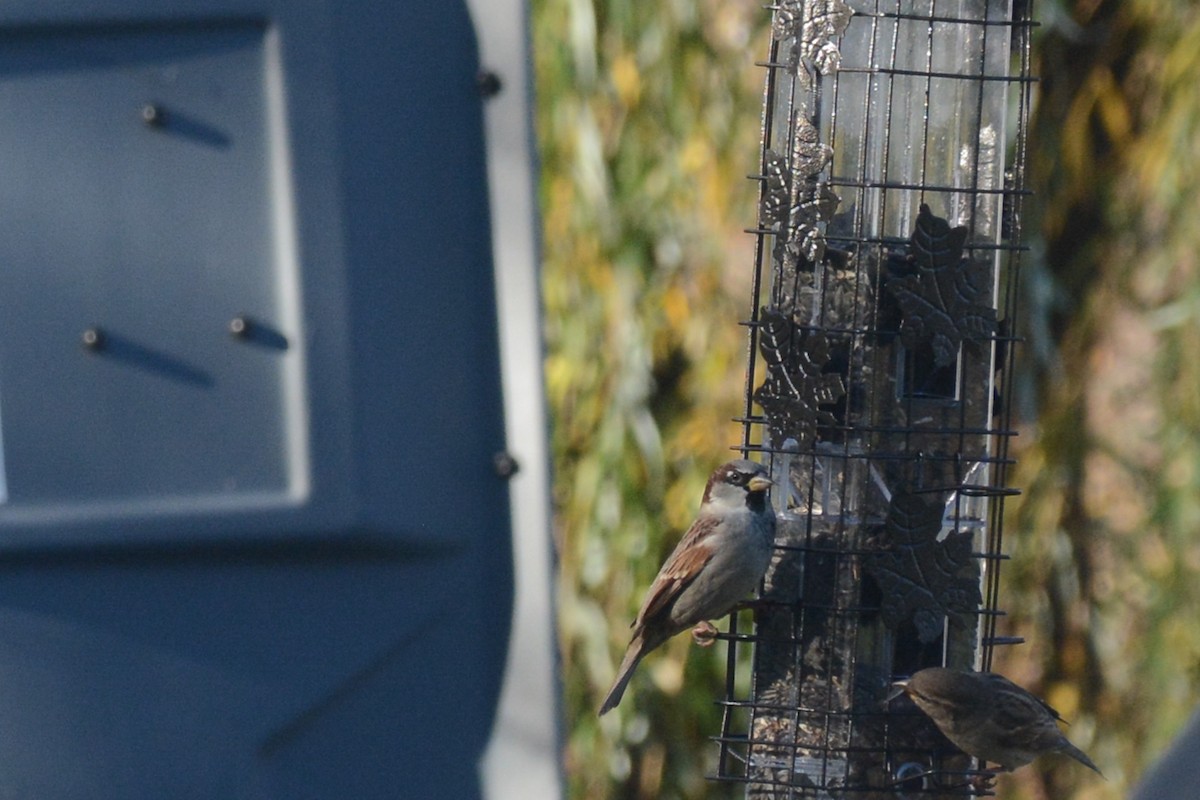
(988, 716)
(719, 561)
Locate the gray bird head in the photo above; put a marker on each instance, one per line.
(737, 484)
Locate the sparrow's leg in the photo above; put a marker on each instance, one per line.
(757, 604)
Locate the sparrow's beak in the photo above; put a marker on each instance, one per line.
(897, 689)
(760, 483)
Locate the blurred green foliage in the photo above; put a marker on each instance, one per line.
(648, 122)
(1105, 580)
(645, 144)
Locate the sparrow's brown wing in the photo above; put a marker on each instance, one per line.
(1051, 710)
(680, 569)
(1024, 723)
(1003, 686)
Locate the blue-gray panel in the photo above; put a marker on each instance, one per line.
(319, 170)
(157, 234)
(276, 567)
(313, 674)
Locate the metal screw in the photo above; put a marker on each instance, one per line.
(505, 465)
(488, 83)
(153, 115)
(93, 339)
(239, 326)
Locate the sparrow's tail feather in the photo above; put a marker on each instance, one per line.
(633, 654)
(1080, 756)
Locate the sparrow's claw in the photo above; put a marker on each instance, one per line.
(704, 634)
(984, 783)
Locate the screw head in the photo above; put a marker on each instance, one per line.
(505, 465)
(153, 115)
(93, 339)
(488, 83)
(240, 326)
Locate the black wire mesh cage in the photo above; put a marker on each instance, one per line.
(887, 258)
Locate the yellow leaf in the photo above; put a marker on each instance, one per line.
(627, 80)
(675, 306)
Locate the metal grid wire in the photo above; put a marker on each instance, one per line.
(888, 250)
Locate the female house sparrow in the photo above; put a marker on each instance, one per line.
(990, 717)
(719, 561)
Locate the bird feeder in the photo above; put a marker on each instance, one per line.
(888, 250)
